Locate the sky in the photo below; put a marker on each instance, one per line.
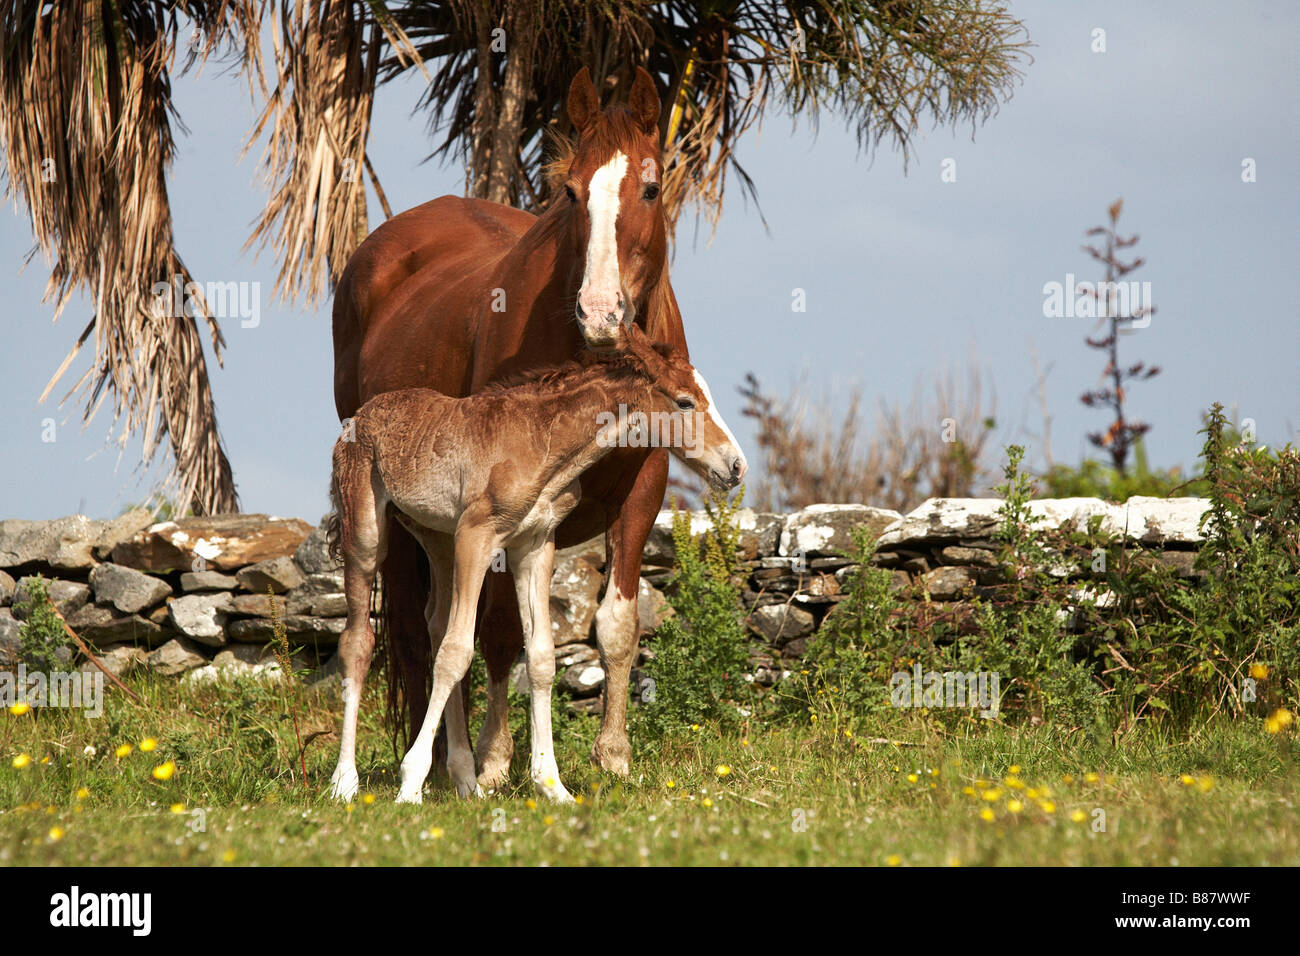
(907, 278)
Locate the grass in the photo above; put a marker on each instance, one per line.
(762, 795)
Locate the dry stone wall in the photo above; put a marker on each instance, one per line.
(190, 597)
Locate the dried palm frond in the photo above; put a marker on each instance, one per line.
(86, 117)
(883, 66)
(326, 60)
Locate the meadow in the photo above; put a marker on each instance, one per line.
(211, 775)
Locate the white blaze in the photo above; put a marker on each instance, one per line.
(713, 412)
(600, 279)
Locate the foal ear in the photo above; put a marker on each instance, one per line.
(584, 104)
(644, 102)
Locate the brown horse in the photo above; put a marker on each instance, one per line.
(496, 472)
(457, 293)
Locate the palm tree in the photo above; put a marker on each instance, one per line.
(86, 118)
(88, 84)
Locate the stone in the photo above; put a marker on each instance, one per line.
(176, 657)
(127, 589)
(1143, 519)
(795, 649)
(118, 659)
(1161, 521)
(779, 624)
(576, 654)
(10, 643)
(208, 581)
(103, 626)
(299, 629)
(583, 680)
(1183, 563)
(321, 595)
(7, 585)
(201, 617)
(652, 608)
(236, 655)
(65, 544)
(67, 596)
(221, 542)
(592, 706)
(945, 584)
(122, 528)
(313, 555)
(279, 574)
(592, 551)
(758, 535)
(827, 530)
(958, 555)
(575, 598)
(258, 605)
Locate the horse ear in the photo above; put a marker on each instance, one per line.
(644, 102)
(584, 104)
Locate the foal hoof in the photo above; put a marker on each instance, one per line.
(345, 785)
(410, 796)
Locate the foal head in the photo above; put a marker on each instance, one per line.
(681, 413)
(612, 184)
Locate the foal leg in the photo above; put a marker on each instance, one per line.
(474, 546)
(533, 587)
(441, 552)
(363, 550)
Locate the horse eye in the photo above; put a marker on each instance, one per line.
(686, 403)
(651, 192)
(568, 191)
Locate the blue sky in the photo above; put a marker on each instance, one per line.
(907, 277)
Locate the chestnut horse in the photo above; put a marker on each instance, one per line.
(457, 293)
(494, 472)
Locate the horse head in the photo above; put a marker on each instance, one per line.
(612, 184)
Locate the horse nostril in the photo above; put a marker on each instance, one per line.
(611, 318)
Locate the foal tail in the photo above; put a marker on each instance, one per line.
(351, 464)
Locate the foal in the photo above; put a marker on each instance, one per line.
(497, 471)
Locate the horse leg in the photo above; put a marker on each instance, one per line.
(533, 586)
(501, 639)
(363, 551)
(473, 548)
(629, 525)
(459, 755)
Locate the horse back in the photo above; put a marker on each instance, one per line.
(405, 284)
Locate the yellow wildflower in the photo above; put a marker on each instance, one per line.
(122, 751)
(20, 708)
(164, 771)
(21, 761)
(148, 745)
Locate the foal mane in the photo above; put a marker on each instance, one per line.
(622, 367)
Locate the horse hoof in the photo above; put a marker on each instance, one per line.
(408, 797)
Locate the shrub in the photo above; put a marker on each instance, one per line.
(702, 652)
(41, 637)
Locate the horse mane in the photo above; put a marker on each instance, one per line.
(606, 134)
